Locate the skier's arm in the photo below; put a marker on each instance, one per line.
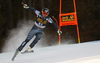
(31, 8)
(57, 28)
(36, 11)
(55, 25)
(27, 7)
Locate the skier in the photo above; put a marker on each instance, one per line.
(40, 23)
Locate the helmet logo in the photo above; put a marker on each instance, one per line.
(46, 10)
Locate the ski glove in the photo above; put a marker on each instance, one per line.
(59, 32)
(25, 6)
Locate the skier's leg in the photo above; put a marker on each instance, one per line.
(29, 37)
(38, 36)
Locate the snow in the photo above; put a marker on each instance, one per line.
(88, 52)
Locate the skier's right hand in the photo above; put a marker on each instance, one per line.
(25, 6)
(59, 32)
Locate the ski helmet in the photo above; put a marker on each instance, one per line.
(45, 11)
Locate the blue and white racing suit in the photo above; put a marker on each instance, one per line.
(37, 28)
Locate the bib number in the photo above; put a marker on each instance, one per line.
(40, 24)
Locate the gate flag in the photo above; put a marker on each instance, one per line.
(66, 19)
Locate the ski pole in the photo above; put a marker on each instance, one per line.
(57, 25)
(55, 20)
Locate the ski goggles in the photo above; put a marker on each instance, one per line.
(44, 13)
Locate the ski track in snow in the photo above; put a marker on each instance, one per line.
(88, 52)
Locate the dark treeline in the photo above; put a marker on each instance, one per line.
(88, 11)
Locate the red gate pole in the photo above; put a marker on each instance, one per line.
(59, 35)
(60, 20)
(77, 21)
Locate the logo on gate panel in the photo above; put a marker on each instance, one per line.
(68, 18)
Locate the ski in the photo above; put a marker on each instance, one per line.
(16, 53)
(27, 52)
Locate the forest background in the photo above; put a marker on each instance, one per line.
(88, 11)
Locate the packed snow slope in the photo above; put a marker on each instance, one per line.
(75, 53)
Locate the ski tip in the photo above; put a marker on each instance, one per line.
(32, 50)
(15, 54)
(12, 59)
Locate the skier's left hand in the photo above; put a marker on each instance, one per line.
(59, 32)
(25, 6)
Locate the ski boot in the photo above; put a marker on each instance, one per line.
(28, 50)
